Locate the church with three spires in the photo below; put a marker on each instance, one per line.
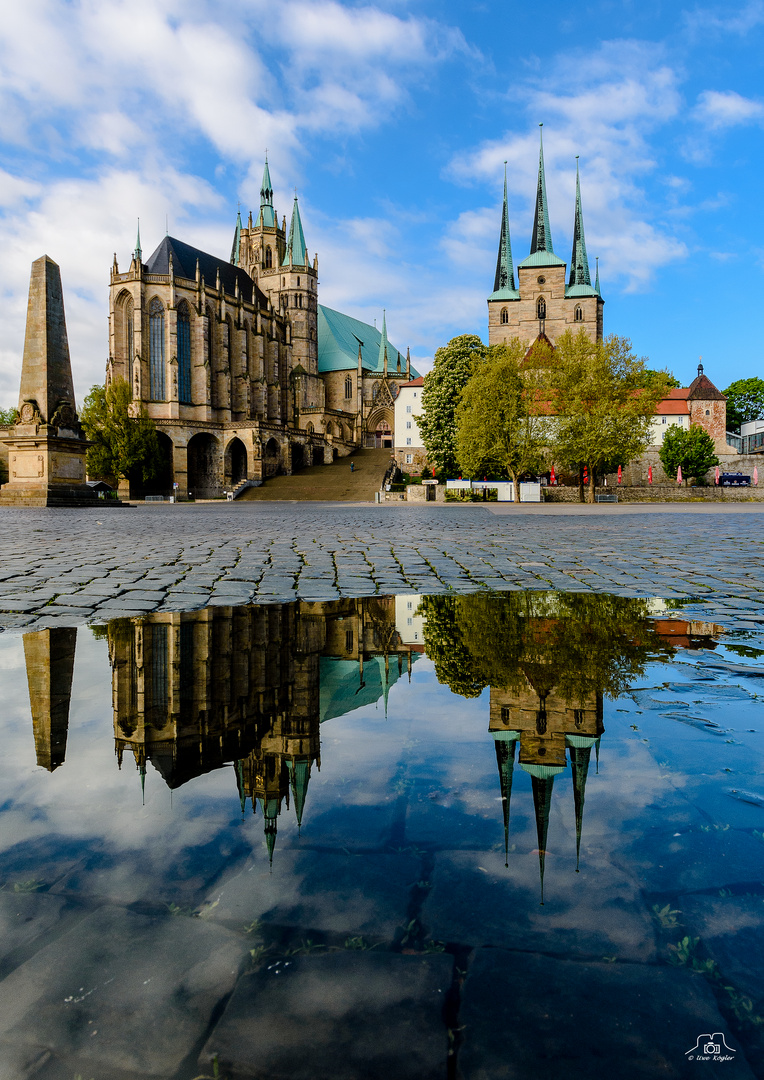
(541, 297)
(245, 374)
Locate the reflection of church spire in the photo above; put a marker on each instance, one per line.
(505, 757)
(542, 801)
(579, 763)
(49, 656)
(299, 775)
(270, 809)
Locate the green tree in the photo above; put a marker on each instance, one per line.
(452, 368)
(8, 417)
(124, 438)
(694, 450)
(603, 412)
(745, 401)
(649, 377)
(498, 426)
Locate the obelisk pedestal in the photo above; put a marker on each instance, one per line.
(46, 452)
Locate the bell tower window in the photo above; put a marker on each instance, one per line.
(348, 387)
(268, 258)
(541, 308)
(578, 315)
(504, 316)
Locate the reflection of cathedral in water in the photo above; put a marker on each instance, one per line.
(251, 685)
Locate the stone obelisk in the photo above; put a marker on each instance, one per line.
(46, 451)
(49, 656)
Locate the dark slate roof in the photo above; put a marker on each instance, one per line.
(702, 389)
(184, 265)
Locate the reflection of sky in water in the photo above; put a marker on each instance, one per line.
(674, 807)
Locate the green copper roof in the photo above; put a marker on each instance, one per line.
(542, 802)
(541, 259)
(505, 271)
(341, 690)
(505, 294)
(580, 290)
(296, 253)
(541, 240)
(505, 759)
(339, 337)
(267, 215)
(299, 775)
(579, 264)
(236, 241)
(579, 762)
(597, 279)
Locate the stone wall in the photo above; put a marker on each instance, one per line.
(660, 493)
(635, 473)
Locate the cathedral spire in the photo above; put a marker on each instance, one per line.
(579, 264)
(266, 188)
(236, 241)
(542, 234)
(138, 254)
(597, 279)
(505, 271)
(299, 775)
(295, 254)
(382, 362)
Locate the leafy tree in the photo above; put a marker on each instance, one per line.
(8, 417)
(603, 413)
(453, 366)
(665, 378)
(124, 438)
(694, 450)
(745, 401)
(498, 426)
(574, 643)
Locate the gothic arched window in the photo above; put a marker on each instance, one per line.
(348, 387)
(578, 315)
(246, 346)
(184, 353)
(504, 316)
(156, 350)
(129, 341)
(268, 258)
(541, 308)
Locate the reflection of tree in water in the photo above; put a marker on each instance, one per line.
(576, 643)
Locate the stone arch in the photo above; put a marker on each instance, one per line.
(204, 466)
(124, 331)
(271, 458)
(379, 428)
(300, 456)
(161, 482)
(235, 463)
(317, 454)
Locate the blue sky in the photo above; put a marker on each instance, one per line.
(393, 121)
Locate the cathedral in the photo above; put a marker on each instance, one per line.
(245, 374)
(543, 304)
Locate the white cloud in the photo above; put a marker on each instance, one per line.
(727, 19)
(723, 109)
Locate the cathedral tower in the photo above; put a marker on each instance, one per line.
(543, 303)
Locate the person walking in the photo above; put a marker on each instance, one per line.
(352, 466)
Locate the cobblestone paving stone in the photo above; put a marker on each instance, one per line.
(68, 567)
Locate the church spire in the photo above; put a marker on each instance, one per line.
(579, 763)
(295, 253)
(505, 758)
(266, 188)
(382, 362)
(597, 279)
(236, 240)
(542, 234)
(542, 802)
(138, 254)
(505, 271)
(579, 264)
(299, 775)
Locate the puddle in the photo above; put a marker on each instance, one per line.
(192, 804)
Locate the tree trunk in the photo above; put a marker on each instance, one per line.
(515, 488)
(590, 492)
(581, 485)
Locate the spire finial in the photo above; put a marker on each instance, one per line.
(138, 252)
(597, 278)
(579, 263)
(542, 234)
